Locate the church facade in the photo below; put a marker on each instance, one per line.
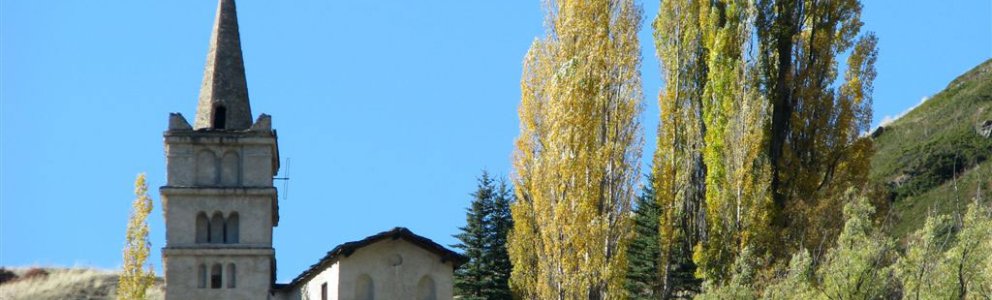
(220, 207)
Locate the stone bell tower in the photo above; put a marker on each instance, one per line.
(219, 202)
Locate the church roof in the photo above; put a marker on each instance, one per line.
(346, 249)
(223, 102)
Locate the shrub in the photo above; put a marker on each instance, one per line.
(7, 275)
(34, 272)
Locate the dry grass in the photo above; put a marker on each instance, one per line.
(72, 283)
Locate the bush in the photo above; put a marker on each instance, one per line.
(34, 273)
(7, 275)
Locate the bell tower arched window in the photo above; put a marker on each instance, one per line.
(231, 229)
(215, 276)
(220, 117)
(216, 229)
(202, 228)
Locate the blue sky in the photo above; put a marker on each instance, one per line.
(387, 109)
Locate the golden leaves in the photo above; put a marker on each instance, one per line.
(577, 155)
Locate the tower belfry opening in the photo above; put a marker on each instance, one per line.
(220, 117)
(223, 101)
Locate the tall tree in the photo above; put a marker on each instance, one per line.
(710, 164)
(500, 224)
(814, 147)
(643, 254)
(752, 88)
(679, 172)
(471, 279)
(483, 240)
(135, 280)
(578, 152)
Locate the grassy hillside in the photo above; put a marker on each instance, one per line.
(936, 158)
(58, 283)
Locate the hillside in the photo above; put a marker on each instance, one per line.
(936, 158)
(62, 283)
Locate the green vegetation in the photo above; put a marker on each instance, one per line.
(945, 260)
(754, 105)
(643, 254)
(934, 159)
(486, 274)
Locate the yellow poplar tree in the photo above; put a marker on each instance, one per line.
(737, 202)
(577, 156)
(678, 169)
(134, 280)
(712, 115)
(753, 87)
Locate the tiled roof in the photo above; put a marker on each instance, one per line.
(346, 249)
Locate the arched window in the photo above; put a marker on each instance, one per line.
(215, 277)
(202, 228)
(201, 274)
(217, 228)
(230, 275)
(220, 117)
(229, 169)
(364, 288)
(425, 289)
(232, 228)
(206, 168)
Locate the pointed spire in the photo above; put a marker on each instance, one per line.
(224, 92)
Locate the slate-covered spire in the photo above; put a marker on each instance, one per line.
(224, 92)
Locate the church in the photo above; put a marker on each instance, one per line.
(220, 207)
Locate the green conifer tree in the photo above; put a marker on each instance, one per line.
(644, 253)
(500, 224)
(470, 279)
(483, 240)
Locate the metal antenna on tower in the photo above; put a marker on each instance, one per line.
(285, 183)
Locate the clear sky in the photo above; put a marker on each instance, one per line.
(387, 109)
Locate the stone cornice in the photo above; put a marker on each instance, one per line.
(230, 251)
(217, 191)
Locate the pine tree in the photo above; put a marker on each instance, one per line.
(483, 240)
(471, 279)
(500, 224)
(577, 156)
(643, 256)
(134, 280)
